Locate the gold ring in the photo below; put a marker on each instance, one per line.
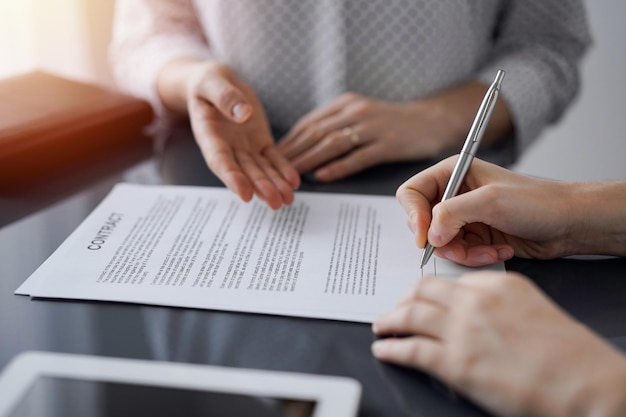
(352, 134)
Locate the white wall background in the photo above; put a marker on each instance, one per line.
(67, 37)
(590, 141)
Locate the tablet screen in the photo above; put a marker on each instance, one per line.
(56, 397)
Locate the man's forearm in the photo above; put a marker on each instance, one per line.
(598, 218)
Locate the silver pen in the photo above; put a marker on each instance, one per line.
(472, 142)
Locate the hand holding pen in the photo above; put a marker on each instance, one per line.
(472, 142)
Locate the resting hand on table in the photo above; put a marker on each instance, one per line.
(499, 214)
(497, 339)
(231, 129)
(354, 132)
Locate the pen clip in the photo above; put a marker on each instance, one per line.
(485, 110)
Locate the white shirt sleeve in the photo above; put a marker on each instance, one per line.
(147, 34)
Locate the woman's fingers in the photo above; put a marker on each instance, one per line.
(285, 191)
(317, 123)
(268, 182)
(219, 156)
(286, 169)
(326, 149)
(356, 161)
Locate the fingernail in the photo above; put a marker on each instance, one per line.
(505, 253)
(485, 259)
(322, 175)
(378, 348)
(449, 255)
(241, 111)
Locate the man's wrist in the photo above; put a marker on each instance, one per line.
(597, 223)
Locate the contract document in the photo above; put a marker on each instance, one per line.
(333, 256)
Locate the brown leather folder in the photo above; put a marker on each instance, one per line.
(51, 126)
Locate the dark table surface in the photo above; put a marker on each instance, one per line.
(593, 291)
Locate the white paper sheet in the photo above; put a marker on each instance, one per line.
(333, 256)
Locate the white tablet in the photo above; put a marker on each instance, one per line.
(54, 384)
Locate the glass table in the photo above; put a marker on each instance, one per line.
(593, 291)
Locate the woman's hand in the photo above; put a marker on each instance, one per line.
(231, 129)
(497, 214)
(354, 132)
(498, 340)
